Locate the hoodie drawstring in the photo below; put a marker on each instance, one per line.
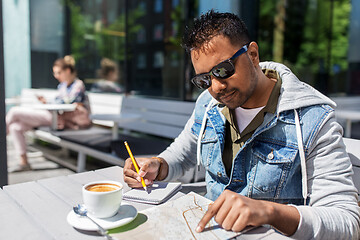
(302, 157)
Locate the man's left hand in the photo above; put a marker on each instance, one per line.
(234, 212)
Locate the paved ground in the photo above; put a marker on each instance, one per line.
(42, 167)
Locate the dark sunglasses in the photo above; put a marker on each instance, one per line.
(223, 70)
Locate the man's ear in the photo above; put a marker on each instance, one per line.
(253, 53)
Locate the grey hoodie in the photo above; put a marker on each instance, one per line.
(332, 212)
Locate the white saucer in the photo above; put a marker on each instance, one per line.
(126, 214)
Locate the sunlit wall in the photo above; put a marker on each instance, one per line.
(16, 46)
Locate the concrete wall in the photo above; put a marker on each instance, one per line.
(16, 46)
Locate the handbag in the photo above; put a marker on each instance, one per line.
(77, 119)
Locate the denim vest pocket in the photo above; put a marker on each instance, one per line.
(215, 184)
(208, 144)
(272, 163)
(209, 134)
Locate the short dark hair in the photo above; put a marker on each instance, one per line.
(212, 24)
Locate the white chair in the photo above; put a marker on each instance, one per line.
(353, 149)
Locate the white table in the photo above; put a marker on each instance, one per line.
(38, 209)
(13, 101)
(54, 109)
(116, 119)
(350, 116)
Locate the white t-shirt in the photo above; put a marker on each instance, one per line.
(244, 116)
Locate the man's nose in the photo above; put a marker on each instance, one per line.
(218, 86)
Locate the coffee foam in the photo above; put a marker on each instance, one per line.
(102, 187)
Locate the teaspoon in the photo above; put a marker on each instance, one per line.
(81, 210)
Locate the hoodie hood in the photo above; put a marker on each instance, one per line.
(295, 94)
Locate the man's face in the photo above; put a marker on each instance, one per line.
(236, 90)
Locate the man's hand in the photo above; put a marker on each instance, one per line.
(149, 170)
(234, 212)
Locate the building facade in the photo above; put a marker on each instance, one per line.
(317, 39)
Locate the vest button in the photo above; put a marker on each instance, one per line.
(219, 174)
(270, 155)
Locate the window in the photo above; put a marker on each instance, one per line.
(158, 8)
(141, 36)
(158, 59)
(158, 32)
(141, 61)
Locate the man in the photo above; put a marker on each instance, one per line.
(269, 143)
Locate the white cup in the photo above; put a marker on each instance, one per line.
(102, 199)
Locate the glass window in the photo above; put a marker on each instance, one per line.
(311, 37)
(141, 61)
(158, 8)
(158, 59)
(163, 75)
(317, 39)
(142, 6)
(141, 36)
(174, 59)
(158, 32)
(175, 3)
(97, 41)
(174, 28)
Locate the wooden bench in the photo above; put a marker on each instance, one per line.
(99, 148)
(159, 121)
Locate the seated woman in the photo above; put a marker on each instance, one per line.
(71, 91)
(109, 73)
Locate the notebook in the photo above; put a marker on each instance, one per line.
(158, 193)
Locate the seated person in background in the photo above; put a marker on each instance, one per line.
(109, 73)
(71, 91)
(270, 144)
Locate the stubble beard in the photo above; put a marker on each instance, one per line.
(242, 98)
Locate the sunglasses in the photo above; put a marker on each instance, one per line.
(223, 70)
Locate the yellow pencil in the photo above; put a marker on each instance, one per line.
(135, 164)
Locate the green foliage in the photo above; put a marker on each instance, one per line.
(81, 26)
(307, 33)
(176, 16)
(110, 41)
(107, 41)
(315, 46)
(267, 13)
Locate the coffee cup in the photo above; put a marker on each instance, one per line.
(102, 199)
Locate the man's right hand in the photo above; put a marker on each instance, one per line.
(149, 170)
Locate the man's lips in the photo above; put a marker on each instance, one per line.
(227, 97)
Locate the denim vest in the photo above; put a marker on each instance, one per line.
(268, 165)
